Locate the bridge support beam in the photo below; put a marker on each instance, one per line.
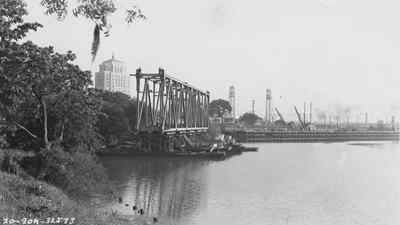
(168, 108)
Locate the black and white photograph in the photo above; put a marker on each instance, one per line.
(199, 112)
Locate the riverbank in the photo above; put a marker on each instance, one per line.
(23, 196)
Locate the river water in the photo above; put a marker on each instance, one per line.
(282, 183)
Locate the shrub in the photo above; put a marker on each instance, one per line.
(87, 174)
(11, 161)
(78, 173)
(31, 197)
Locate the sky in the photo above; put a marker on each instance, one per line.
(337, 54)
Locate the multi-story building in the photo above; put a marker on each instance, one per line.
(113, 76)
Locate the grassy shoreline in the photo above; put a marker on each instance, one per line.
(23, 196)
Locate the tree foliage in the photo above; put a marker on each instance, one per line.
(97, 11)
(55, 90)
(118, 117)
(46, 105)
(12, 26)
(41, 91)
(219, 107)
(249, 118)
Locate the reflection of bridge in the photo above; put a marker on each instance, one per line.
(168, 108)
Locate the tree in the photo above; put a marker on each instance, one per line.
(12, 26)
(12, 29)
(128, 104)
(249, 118)
(39, 86)
(56, 90)
(114, 121)
(95, 10)
(219, 107)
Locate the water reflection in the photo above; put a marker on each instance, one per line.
(285, 183)
(164, 187)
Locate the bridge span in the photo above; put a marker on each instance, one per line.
(168, 110)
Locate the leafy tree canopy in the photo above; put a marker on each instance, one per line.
(249, 118)
(42, 93)
(97, 11)
(219, 107)
(118, 117)
(12, 26)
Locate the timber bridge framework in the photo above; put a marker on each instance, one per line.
(169, 111)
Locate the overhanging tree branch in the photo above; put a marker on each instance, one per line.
(6, 113)
(25, 129)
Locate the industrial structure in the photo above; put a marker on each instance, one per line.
(112, 76)
(168, 110)
(268, 111)
(232, 101)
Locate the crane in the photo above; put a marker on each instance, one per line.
(279, 114)
(303, 125)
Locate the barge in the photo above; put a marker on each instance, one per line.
(210, 155)
(221, 152)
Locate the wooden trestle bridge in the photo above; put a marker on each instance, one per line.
(169, 111)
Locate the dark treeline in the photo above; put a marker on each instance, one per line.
(117, 120)
(51, 124)
(47, 109)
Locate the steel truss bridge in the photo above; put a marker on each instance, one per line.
(168, 110)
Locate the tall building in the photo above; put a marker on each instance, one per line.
(112, 76)
(232, 100)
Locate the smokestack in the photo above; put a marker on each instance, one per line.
(252, 106)
(304, 113)
(232, 100)
(310, 112)
(366, 118)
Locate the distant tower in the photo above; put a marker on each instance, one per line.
(268, 117)
(252, 106)
(232, 100)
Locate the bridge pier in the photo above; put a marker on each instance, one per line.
(158, 142)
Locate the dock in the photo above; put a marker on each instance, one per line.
(314, 136)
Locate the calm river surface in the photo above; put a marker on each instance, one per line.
(282, 183)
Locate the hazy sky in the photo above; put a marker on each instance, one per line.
(330, 52)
